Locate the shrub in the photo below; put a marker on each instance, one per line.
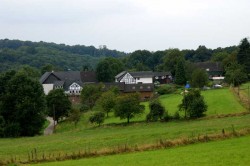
(165, 89)
(84, 108)
(193, 104)
(97, 118)
(157, 111)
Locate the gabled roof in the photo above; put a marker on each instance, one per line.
(120, 74)
(66, 78)
(162, 73)
(142, 74)
(88, 76)
(210, 66)
(58, 83)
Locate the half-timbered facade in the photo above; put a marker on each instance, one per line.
(71, 81)
(143, 77)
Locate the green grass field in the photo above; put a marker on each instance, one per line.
(245, 88)
(234, 151)
(113, 136)
(219, 101)
(114, 133)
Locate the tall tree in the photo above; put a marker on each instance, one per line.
(127, 106)
(58, 104)
(171, 59)
(108, 68)
(199, 78)
(23, 105)
(243, 56)
(180, 76)
(138, 60)
(235, 75)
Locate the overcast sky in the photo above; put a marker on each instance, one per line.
(127, 25)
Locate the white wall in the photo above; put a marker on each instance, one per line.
(144, 80)
(47, 88)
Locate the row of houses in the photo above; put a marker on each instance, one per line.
(127, 82)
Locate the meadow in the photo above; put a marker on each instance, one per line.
(233, 151)
(97, 138)
(115, 132)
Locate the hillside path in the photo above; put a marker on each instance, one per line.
(50, 129)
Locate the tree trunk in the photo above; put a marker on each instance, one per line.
(127, 119)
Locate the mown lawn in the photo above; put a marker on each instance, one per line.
(233, 151)
(117, 135)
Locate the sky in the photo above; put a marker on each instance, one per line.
(127, 25)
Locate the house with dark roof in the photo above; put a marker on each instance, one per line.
(146, 90)
(143, 77)
(214, 70)
(71, 81)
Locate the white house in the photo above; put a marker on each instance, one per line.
(71, 81)
(143, 77)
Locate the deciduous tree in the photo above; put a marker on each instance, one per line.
(193, 104)
(22, 105)
(157, 111)
(58, 104)
(127, 106)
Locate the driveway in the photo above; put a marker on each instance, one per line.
(50, 129)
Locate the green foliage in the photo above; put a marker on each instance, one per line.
(58, 104)
(202, 54)
(199, 78)
(127, 106)
(219, 56)
(15, 53)
(90, 94)
(165, 89)
(108, 68)
(171, 59)
(193, 104)
(97, 117)
(107, 101)
(180, 76)
(157, 111)
(75, 116)
(243, 56)
(235, 74)
(22, 105)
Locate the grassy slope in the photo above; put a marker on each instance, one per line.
(219, 101)
(85, 135)
(245, 87)
(112, 136)
(227, 152)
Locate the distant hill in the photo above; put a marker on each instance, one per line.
(15, 53)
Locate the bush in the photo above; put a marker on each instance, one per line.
(97, 118)
(84, 108)
(165, 89)
(157, 111)
(167, 117)
(193, 104)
